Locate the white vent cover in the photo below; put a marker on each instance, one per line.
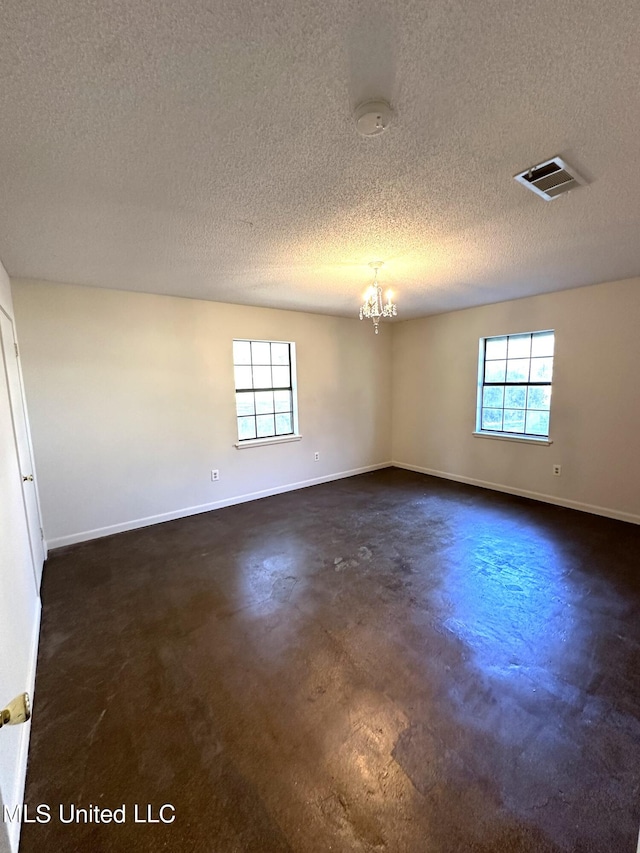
(550, 179)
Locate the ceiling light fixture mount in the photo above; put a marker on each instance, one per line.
(373, 308)
(372, 118)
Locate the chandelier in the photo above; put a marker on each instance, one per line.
(373, 308)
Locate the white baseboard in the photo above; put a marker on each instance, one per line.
(619, 515)
(25, 731)
(98, 532)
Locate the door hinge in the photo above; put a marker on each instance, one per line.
(15, 346)
(42, 534)
(17, 711)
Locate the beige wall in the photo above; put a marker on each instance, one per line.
(595, 409)
(132, 404)
(5, 291)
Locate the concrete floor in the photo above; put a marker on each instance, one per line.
(389, 662)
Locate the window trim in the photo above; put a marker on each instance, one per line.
(261, 442)
(513, 436)
(527, 438)
(270, 439)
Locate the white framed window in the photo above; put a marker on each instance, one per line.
(514, 385)
(265, 386)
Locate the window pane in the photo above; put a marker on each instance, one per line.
(245, 404)
(519, 346)
(265, 425)
(495, 348)
(516, 393)
(283, 424)
(243, 377)
(241, 352)
(259, 367)
(264, 402)
(281, 377)
(492, 396)
(542, 343)
(282, 400)
(280, 353)
(539, 398)
(492, 419)
(261, 352)
(513, 420)
(538, 423)
(494, 371)
(518, 370)
(262, 377)
(541, 369)
(246, 428)
(515, 398)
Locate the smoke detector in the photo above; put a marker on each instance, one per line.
(550, 179)
(372, 118)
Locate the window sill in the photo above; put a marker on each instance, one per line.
(261, 442)
(506, 436)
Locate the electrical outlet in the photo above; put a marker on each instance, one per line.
(215, 474)
(557, 470)
(316, 455)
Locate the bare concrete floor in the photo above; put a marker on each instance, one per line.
(386, 663)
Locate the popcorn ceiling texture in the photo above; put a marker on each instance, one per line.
(207, 149)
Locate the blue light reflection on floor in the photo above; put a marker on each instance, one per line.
(509, 598)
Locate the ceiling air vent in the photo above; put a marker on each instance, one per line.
(550, 179)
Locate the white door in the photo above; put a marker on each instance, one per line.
(23, 444)
(19, 609)
(4, 835)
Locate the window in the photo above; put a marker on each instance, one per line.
(514, 386)
(265, 389)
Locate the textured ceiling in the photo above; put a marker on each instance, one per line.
(207, 149)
